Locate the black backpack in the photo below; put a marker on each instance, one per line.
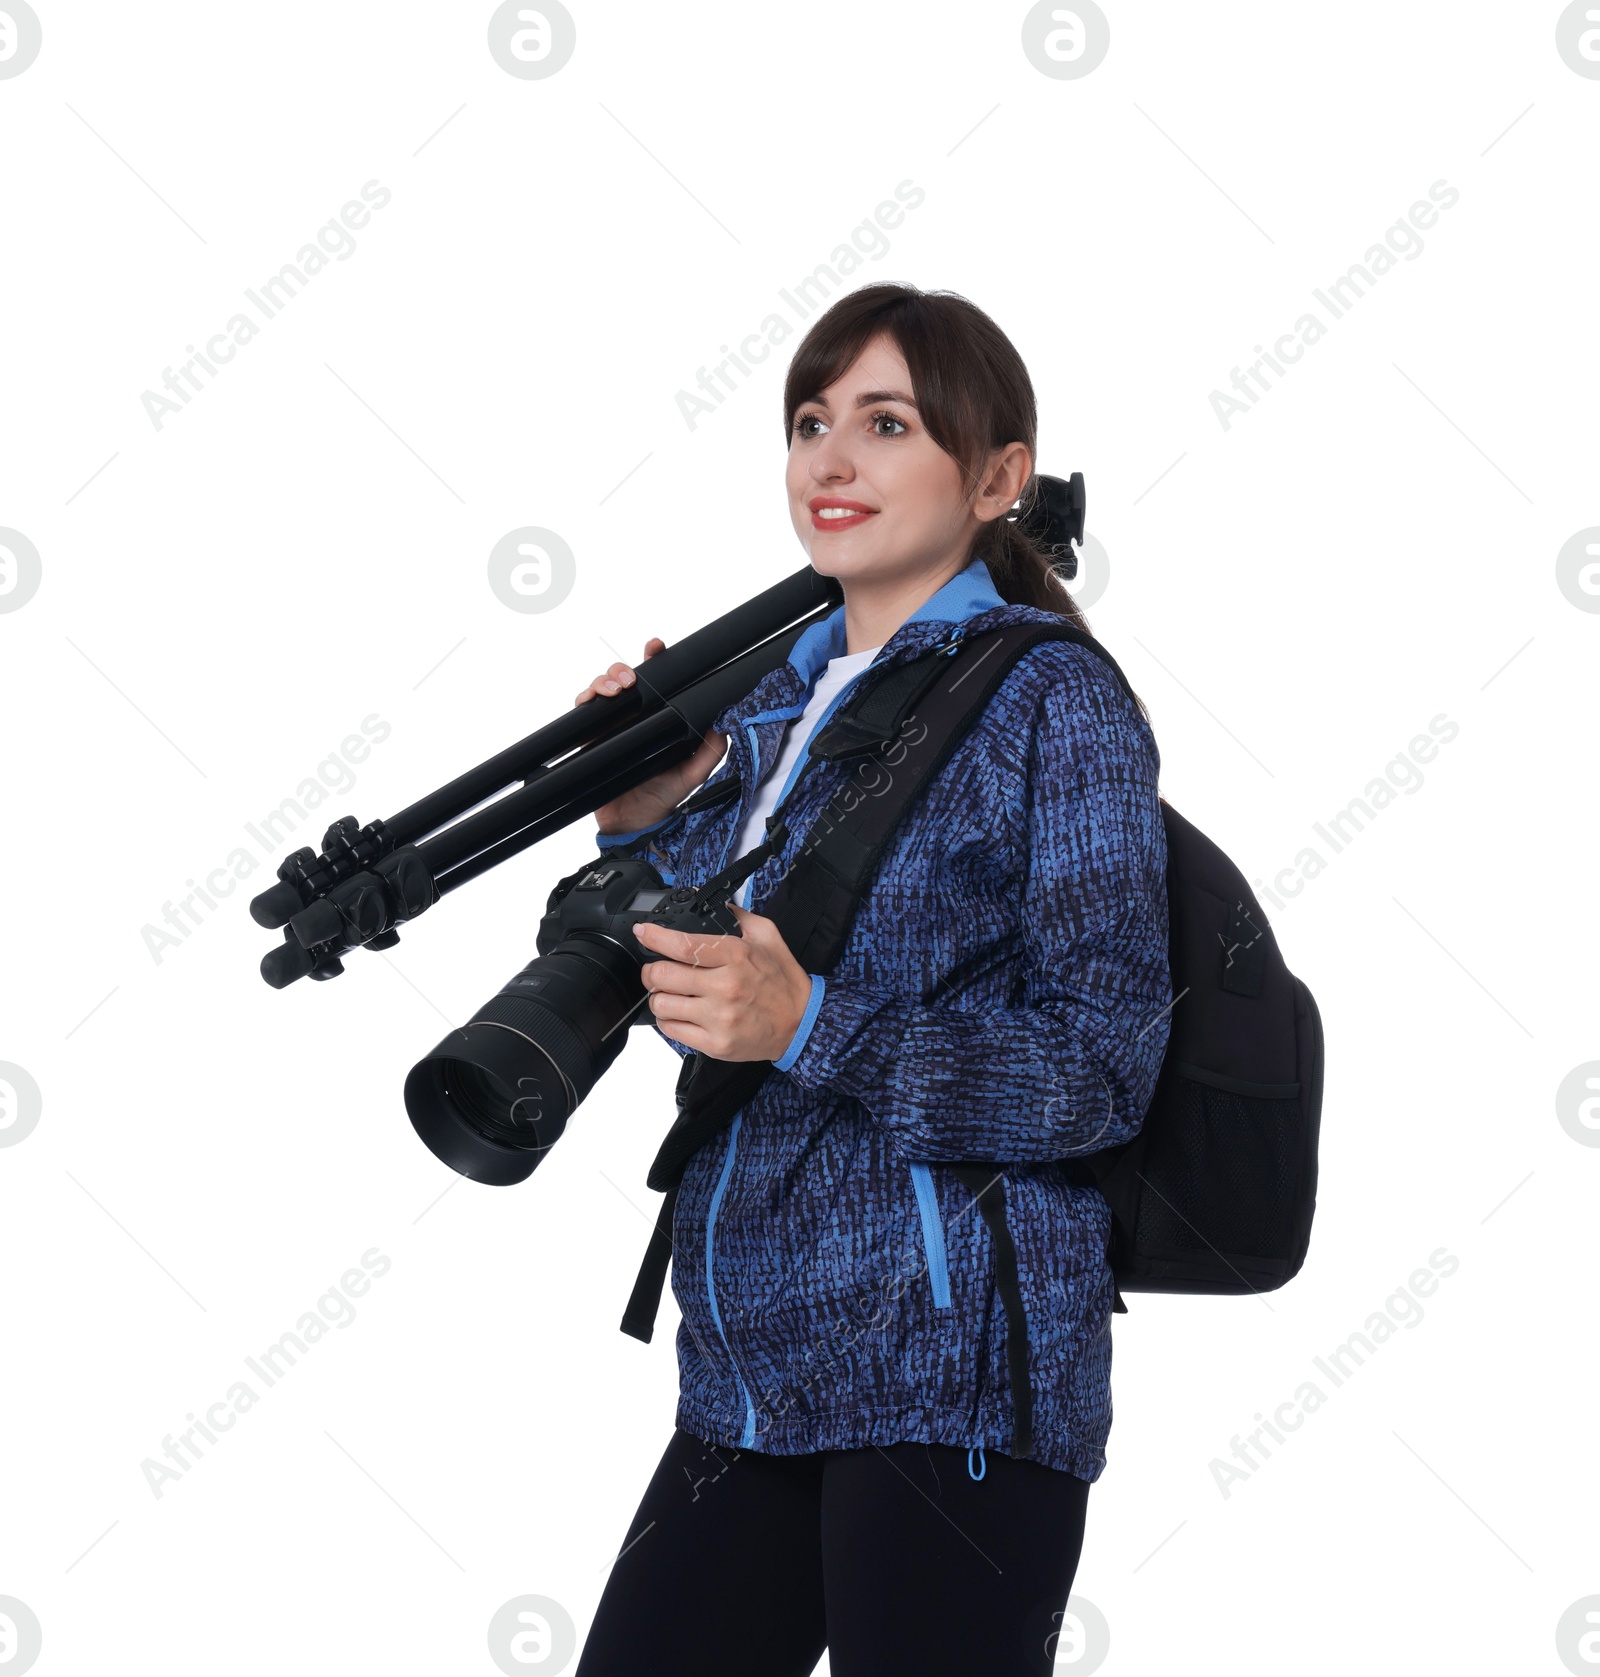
(1215, 1193)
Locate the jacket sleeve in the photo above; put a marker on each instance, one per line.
(661, 845)
(1073, 1067)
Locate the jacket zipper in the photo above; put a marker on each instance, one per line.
(748, 1437)
(932, 1235)
(932, 1230)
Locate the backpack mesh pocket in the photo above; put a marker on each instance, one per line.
(1218, 1176)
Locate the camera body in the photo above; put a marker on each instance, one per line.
(497, 1093)
(610, 897)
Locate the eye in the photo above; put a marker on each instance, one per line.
(883, 413)
(801, 420)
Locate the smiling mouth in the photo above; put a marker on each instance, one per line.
(839, 518)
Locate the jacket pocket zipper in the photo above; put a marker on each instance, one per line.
(747, 1440)
(986, 1183)
(932, 1235)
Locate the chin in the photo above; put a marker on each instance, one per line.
(830, 559)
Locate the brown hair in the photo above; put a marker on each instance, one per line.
(973, 393)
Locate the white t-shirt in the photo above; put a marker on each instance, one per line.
(838, 673)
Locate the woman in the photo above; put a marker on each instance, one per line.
(841, 1473)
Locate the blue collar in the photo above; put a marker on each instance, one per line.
(965, 595)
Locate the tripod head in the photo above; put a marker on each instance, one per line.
(1056, 518)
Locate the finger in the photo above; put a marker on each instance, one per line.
(703, 949)
(685, 974)
(615, 679)
(685, 978)
(691, 1036)
(672, 1008)
(651, 1006)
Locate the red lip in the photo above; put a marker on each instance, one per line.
(818, 523)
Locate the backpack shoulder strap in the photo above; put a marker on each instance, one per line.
(915, 733)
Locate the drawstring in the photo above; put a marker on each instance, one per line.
(981, 1462)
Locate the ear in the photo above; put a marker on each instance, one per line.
(1009, 469)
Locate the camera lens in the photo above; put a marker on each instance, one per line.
(494, 1096)
(490, 1106)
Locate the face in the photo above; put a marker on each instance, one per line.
(871, 494)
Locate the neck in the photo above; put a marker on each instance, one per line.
(874, 607)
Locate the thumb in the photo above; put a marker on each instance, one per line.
(706, 757)
(760, 930)
(751, 924)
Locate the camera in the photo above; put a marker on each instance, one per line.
(497, 1093)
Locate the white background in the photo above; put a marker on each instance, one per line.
(225, 598)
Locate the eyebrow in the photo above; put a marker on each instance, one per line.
(867, 398)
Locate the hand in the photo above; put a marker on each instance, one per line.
(651, 800)
(734, 998)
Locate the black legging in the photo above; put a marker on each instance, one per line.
(896, 1560)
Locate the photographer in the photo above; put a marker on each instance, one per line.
(842, 1474)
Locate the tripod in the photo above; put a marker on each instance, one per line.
(368, 880)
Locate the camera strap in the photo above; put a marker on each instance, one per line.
(901, 731)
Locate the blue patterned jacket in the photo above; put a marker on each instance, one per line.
(1003, 996)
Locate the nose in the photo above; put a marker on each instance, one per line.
(830, 461)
